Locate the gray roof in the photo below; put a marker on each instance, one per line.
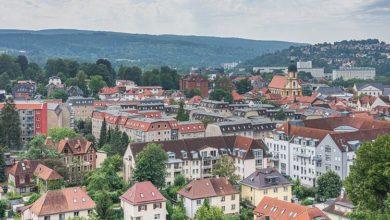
(265, 178)
(361, 86)
(329, 90)
(386, 91)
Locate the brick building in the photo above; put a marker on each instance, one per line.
(195, 81)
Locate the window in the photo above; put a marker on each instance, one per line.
(198, 202)
(222, 198)
(157, 216)
(62, 216)
(76, 213)
(234, 196)
(285, 198)
(142, 208)
(265, 192)
(157, 205)
(47, 218)
(233, 207)
(285, 188)
(275, 190)
(223, 208)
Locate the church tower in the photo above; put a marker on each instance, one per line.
(293, 86)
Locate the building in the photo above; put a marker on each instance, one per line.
(151, 129)
(80, 108)
(54, 83)
(266, 182)
(339, 208)
(24, 89)
(269, 69)
(306, 66)
(60, 204)
(275, 209)
(354, 73)
(33, 118)
(143, 201)
(369, 103)
(58, 115)
(194, 158)
(195, 81)
(220, 107)
(79, 155)
(286, 86)
(74, 91)
(191, 130)
(218, 191)
(306, 149)
(370, 89)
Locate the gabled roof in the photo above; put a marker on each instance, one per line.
(78, 145)
(45, 173)
(191, 127)
(62, 201)
(277, 209)
(278, 82)
(362, 86)
(206, 188)
(142, 193)
(259, 179)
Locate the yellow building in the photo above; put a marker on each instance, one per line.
(265, 182)
(286, 86)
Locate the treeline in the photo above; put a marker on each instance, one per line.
(72, 73)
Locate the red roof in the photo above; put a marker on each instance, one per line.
(142, 193)
(278, 82)
(109, 90)
(277, 209)
(206, 188)
(195, 100)
(236, 96)
(191, 127)
(45, 173)
(76, 146)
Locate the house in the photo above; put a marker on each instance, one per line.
(54, 83)
(80, 108)
(58, 115)
(275, 209)
(49, 178)
(339, 208)
(191, 130)
(24, 89)
(371, 89)
(79, 155)
(74, 91)
(151, 129)
(288, 85)
(195, 81)
(143, 201)
(218, 191)
(195, 158)
(368, 103)
(265, 182)
(60, 204)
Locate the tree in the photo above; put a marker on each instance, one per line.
(3, 208)
(34, 197)
(103, 134)
(23, 62)
(59, 94)
(243, 86)
(329, 186)
(280, 115)
(151, 78)
(124, 142)
(169, 79)
(37, 149)
(207, 212)
(133, 73)
(2, 165)
(207, 120)
(96, 84)
(225, 168)
(368, 184)
(10, 126)
(178, 212)
(58, 134)
(5, 82)
(150, 164)
(103, 204)
(182, 115)
(192, 92)
(221, 94)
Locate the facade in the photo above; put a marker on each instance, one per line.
(58, 115)
(80, 108)
(195, 81)
(194, 158)
(286, 86)
(143, 201)
(266, 182)
(218, 191)
(24, 89)
(306, 66)
(306, 149)
(339, 208)
(60, 205)
(354, 73)
(191, 130)
(273, 209)
(33, 118)
(150, 129)
(370, 89)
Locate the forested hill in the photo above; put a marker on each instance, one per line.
(359, 53)
(133, 49)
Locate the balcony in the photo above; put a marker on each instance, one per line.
(317, 158)
(302, 154)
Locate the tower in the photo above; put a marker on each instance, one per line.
(293, 87)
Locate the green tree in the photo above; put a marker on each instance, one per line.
(103, 204)
(221, 94)
(3, 208)
(58, 134)
(368, 184)
(225, 168)
(182, 115)
(169, 79)
(96, 84)
(133, 73)
(37, 149)
(34, 197)
(151, 78)
(280, 115)
(150, 164)
(192, 92)
(179, 212)
(23, 62)
(59, 94)
(2, 165)
(5, 82)
(243, 86)
(207, 120)
(81, 81)
(329, 186)
(124, 142)
(103, 134)
(10, 126)
(207, 212)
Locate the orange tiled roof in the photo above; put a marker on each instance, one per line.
(278, 82)
(142, 193)
(206, 188)
(45, 173)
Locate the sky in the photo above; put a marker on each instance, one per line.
(309, 21)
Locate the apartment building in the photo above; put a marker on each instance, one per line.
(195, 81)
(370, 89)
(194, 158)
(143, 201)
(80, 108)
(354, 73)
(151, 129)
(218, 191)
(24, 90)
(219, 107)
(33, 118)
(58, 115)
(191, 130)
(306, 149)
(60, 204)
(265, 182)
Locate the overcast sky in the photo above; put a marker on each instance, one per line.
(309, 21)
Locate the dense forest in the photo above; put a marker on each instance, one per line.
(133, 49)
(359, 53)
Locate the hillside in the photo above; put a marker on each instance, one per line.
(133, 49)
(359, 53)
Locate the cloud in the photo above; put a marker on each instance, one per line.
(292, 20)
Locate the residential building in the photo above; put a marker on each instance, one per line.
(60, 204)
(339, 208)
(33, 118)
(268, 69)
(195, 158)
(58, 115)
(24, 89)
(219, 107)
(218, 191)
(74, 91)
(195, 81)
(143, 201)
(191, 130)
(370, 89)
(368, 103)
(275, 209)
(354, 73)
(151, 129)
(80, 108)
(306, 66)
(54, 83)
(266, 182)
(78, 155)
(286, 86)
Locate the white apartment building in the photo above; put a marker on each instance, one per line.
(354, 73)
